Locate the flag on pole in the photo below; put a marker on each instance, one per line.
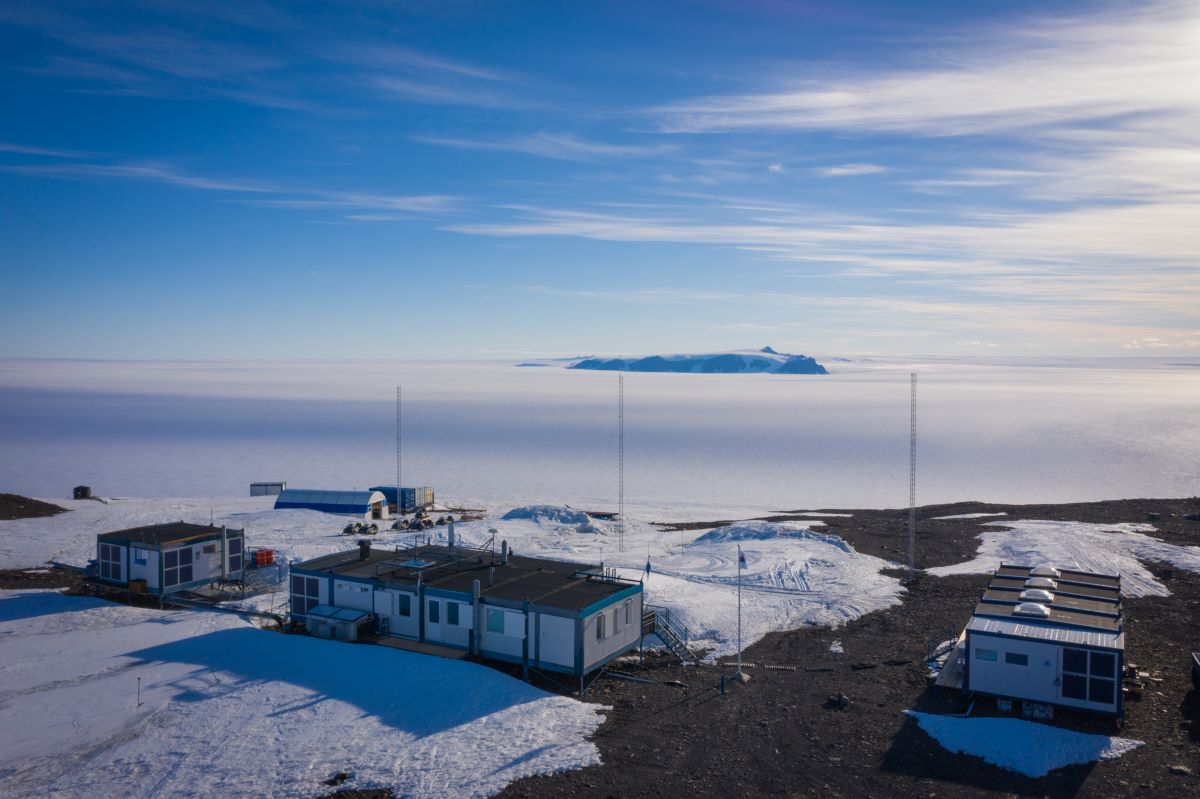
(647, 565)
(741, 558)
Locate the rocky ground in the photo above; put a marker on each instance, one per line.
(15, 506)
(779, 735)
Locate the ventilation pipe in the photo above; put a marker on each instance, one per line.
(450, 538)
(364, 549)
(504, 552)
(477, 612)
(491, 575)
(225, 553)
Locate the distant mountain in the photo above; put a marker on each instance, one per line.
(765, 360)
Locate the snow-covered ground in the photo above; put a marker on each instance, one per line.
(229, 710)
(1024, 746)
(1101, 548)
(967, 516)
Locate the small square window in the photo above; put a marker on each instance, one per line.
(210, 549)
(1016, 658)
(1074, 687)
(986, 654)
(1075, 660)
(1104, 664)
(1101, 691)
(139, 556)
(495, 621)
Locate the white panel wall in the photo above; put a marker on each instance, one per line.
(556, 640)
(1036, 682)
(510, 641)
(348, 594)
(618, 632)
(147, 572)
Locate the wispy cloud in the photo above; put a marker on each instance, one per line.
(264, 193)
(24, 149)
(560, 146)
(850, 170)
(1124, 62)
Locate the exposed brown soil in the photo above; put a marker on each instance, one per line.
(51, 577)
(15, 506)
(779, 735)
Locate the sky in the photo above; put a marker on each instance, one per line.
(449, 179)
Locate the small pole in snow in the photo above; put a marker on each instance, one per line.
(139, 704)
(740, 675)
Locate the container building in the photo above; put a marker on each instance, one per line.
(1047, 635)
(267, 489)
(419, 498)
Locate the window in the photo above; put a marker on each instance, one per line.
(1074, 687)
(495, 621)
(600, 627)
(435, 611)
(985, 654)
(404, 603)
(306, 594)
(177, 566)
(1099, 685)
(210, 549)
(235, 554)
(1016, 659)
(139, 556)
(452, 613)
(628, 609)
(109, 562)
(616, 621)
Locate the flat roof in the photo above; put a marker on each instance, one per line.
(1061, 601)
(1061, 635)
(1066, 575)
(1058, 616)
(168, 533)
(553, 583)
(1066, 588)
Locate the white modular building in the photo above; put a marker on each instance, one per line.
(362, 504)
(164, 558)
(548, 615)
(1048, 635)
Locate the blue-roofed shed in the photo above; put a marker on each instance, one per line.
(364, 504)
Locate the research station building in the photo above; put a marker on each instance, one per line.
(361, 504)
(411, 499)
(548, 615)
(1048, 635)
(164, 558)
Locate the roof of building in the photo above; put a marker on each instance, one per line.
(1060, 601)
(338, 614)
(1064, 576)
(1050, 609)
(554, 583)
(168, 533)
(315, 496)
(1062, 587)
(1062, 635)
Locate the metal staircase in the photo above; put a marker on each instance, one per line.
(674, 635)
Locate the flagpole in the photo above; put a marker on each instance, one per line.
(739, 675)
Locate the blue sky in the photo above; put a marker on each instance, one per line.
(463, 179)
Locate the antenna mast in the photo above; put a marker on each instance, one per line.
(621, 462)
(400, 499)
(912, 475)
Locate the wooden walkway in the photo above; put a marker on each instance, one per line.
(423, 647)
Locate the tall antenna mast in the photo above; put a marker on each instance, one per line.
(621, 462)
(912, 475)
(400, 499)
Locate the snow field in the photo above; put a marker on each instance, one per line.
(1026, 747)
(1101, 548)
(231, 710)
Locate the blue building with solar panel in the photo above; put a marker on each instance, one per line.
(363, 504)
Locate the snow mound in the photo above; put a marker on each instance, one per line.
(1102, 548)
(768, 531)
(553, 514)
(1026, 747)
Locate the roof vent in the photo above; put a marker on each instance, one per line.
(1041, 582)
(1037, 595)
(1045, 570)
(1032, 609)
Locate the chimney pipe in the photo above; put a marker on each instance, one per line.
(504, 552)
(364, 549)
(450, 538)
(491, 575)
